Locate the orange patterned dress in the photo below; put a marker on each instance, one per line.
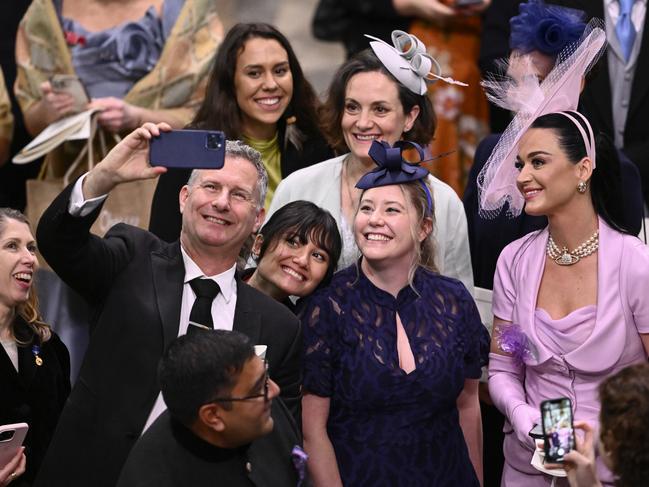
(462, 112)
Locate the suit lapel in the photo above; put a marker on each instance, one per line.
(7, 369)
(246, 320)
(641, 77)
(168, 275)
(27, 365)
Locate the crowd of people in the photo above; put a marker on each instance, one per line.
(304, 314)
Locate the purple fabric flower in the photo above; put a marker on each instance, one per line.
(545, 28)
(512, 340)
(300, 458)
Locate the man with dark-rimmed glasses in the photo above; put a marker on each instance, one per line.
(224, 424)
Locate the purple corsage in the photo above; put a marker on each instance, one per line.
(512, 340)
(299, 457)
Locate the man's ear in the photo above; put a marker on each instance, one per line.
(182, 197)
(209, 415)
(256, 246)
(259, 219)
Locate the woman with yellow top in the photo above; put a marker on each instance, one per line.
(258, 93)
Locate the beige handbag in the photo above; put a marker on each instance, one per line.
(128, 203)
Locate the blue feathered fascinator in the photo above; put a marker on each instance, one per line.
(545, 28)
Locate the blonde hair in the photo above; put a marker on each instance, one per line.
(27, 310)
(424, 250)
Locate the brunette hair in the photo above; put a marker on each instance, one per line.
(624, 418)
(331, 113)
(606, 180)
(219, 110)
(305, 221)
(27, 310)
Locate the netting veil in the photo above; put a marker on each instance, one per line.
(522, 93)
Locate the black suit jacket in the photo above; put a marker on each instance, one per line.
(170, 455)
(488, 237)
(596, 103)
(133, 281)
(34, 394)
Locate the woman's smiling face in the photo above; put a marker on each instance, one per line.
(372, 111)
(293, 267)
(547, 179)
(18, 262)
(263, 84)
(385, 227)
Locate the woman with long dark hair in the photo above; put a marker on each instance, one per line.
(256, 92)
(568, 303)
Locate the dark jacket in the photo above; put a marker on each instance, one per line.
(170, 455)
(134, 282)
(35, 394)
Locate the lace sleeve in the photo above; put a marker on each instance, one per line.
(319, 317)
(476, 339)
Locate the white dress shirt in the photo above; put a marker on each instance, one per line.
(637, 13)
(224, 303)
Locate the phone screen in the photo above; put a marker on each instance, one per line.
(558, 432)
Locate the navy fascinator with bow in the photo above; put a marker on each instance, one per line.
(392, 167)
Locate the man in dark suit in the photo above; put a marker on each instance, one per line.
(143, 291)
(222, 426)
(616, 100)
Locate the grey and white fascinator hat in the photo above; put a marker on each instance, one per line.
(408, 61)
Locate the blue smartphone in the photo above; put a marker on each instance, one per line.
(190, 149)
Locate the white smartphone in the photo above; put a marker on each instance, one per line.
(11, 439)
(70, 84)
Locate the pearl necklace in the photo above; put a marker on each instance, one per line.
(564, 257)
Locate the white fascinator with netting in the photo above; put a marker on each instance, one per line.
(522, 93)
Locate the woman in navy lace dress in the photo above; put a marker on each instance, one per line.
(393, 351)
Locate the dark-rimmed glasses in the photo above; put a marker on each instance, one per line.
(252, 396)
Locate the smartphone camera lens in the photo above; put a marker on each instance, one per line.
(213, 142)
(7, 435)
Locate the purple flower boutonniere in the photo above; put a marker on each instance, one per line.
(512, 340)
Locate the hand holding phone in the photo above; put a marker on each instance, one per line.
(11, 439)
(558, 429)
(190, 149)
(71, 85)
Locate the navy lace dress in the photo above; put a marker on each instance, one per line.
(389, 428)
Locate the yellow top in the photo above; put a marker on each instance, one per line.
(270, 154)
